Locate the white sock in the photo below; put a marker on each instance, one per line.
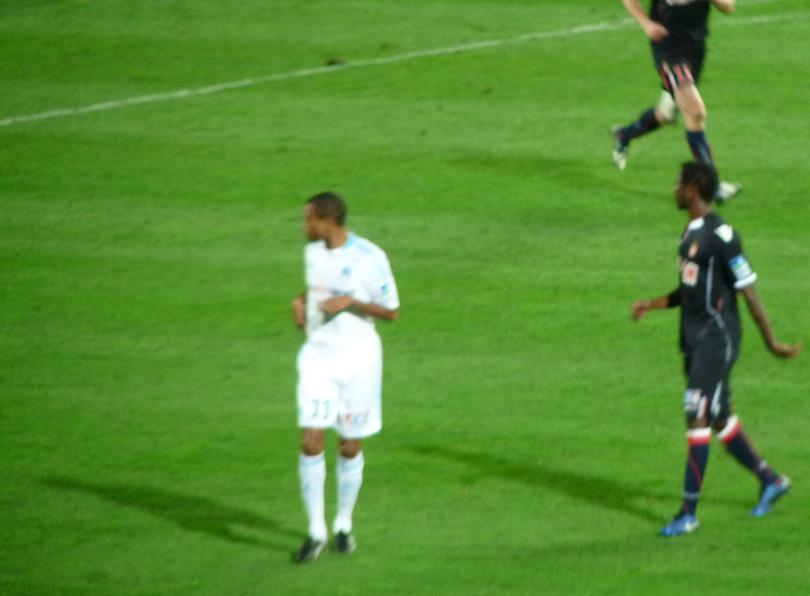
(349, 481)
(312, 472)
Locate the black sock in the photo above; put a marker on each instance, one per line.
(696, 459)
(701, 150)
(739, 446)
(647, 122)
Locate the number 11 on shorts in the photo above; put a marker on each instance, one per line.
(320, 409)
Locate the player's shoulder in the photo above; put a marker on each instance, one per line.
(369, 256)
(364, 247)
(720, 228)
(315, 247)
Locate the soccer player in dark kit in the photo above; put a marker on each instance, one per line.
(677, 30)
(713, 270)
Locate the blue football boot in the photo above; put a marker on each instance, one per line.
(770, 494)
(685, 523)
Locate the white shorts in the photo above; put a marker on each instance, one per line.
(341, 389)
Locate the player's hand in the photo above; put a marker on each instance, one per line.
(726, 6)
(336, 304)
(640, 308)
(782, 350)
(299, 311)
(655, 31)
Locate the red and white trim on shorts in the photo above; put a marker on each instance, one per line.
(730, 430)
(699, 436)
(676, 76)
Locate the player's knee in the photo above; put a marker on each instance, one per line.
(349, 448)
(666, 117)
(312, 442)
(666, 110)
(694, 423)
(695, 115)
(311, 448)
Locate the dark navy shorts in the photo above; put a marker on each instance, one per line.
(678, 64)
(708, 394)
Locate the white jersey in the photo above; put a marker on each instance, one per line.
(359, 269)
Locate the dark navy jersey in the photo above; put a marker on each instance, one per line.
(713, 268)
(686, 20)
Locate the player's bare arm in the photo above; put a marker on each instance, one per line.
(641, 307)
(655, 31)
(299, 310)
(757, 310)
(337, 304)
(726, 6)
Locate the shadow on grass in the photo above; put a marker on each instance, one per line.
(594, 490)
(197, 514)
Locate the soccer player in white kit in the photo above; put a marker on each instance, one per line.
(349, 285)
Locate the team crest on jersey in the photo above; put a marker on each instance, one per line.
(690, 273)
(347, 271)
(725, 232)
(693, 250)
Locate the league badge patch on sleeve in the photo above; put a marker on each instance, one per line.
(741, 267)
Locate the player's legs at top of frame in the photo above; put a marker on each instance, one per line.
(681, 94)
(678, 45)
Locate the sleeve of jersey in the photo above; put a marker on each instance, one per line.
(383, 288)
(737, 267)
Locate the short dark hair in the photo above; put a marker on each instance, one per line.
(702, 175)
(329, 205)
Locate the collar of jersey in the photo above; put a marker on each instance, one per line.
(695, 224)
(351, 238)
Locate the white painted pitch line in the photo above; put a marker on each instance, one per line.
(764, 19)
(309, 72)
(321, 70)
(753, 2)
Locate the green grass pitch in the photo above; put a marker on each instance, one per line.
(533, 440)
